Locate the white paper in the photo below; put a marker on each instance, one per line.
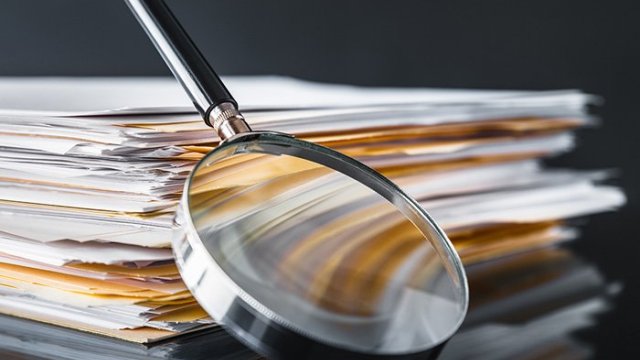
(107, 96)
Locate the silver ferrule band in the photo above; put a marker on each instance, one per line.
(227, 120)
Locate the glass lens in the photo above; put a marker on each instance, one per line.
(324, 252)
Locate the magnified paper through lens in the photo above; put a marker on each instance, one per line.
(323, 252)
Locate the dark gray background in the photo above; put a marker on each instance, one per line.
(529, 44)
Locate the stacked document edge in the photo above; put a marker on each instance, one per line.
(87, 195)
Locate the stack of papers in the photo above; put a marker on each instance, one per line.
(511, 316)
(91, 171)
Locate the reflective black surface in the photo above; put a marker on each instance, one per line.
(25, 339)
(530, 306)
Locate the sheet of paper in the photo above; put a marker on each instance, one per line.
(95, 96)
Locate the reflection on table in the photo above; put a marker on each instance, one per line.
(527, 306)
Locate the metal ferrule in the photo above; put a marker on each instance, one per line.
(227, 120)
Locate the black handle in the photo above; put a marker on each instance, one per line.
(182, 56)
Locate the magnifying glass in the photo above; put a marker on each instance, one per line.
(296, 249)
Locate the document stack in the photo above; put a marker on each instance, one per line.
(91, 171)
(510, 317)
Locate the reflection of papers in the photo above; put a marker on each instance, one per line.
(28, 339)
(86, 191)
(530, 305)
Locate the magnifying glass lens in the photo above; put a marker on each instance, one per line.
(317, 244)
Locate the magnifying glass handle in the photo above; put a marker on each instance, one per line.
(208, 93)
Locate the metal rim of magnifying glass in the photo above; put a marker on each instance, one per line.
(251, 322)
